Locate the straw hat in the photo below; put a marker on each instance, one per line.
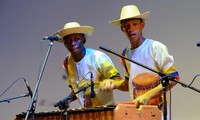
(130, 11)
(73, 28)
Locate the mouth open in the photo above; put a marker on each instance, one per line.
(132, 35)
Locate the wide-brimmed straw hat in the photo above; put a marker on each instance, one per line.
(73, 28)
(128, 12)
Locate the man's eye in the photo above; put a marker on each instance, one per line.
(126, 27)
(135, 24)
(77, 39)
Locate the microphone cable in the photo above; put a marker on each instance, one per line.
(11, 85)
(192, 80)
(81, 80)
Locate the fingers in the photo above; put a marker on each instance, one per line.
(137, 102)
(107, 85)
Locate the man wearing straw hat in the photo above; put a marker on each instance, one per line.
(85, 64)
(144, 85)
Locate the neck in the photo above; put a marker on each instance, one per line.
(79, 56)
(139, 42)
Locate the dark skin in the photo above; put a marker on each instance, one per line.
(132, 28)
(75, 45)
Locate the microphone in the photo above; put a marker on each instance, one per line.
(52, 38)
(64, 100)
(92, 92)
(198, 44)
(70, 96)
(29, 89)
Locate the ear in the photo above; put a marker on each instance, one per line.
(65, 44)
(143, 24)
(84, 40)
(122, 29)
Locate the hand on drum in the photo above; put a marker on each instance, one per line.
(141, 100)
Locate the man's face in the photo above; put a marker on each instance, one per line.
(133, 30)
(74, 43)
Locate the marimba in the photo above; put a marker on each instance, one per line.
(97, 113)
(118, 112)
(53, 115)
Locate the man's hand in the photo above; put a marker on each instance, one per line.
(141, 100)
(108, 85)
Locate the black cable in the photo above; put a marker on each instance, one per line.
(81, 80)
(192, 80)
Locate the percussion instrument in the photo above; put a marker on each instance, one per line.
(130, 112)
(96, 113)
(143, 83)
(53, 115)
(118, 112)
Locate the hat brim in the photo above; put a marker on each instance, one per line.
(143, 16)
(87, 30)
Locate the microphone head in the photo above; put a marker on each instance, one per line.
(52, 38)
(198, 44)
(57, 37)
(92, 94)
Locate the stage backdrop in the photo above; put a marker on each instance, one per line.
(24, 22)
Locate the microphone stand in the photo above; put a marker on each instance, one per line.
(31, 107)
(164, 79)
(9, 99)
